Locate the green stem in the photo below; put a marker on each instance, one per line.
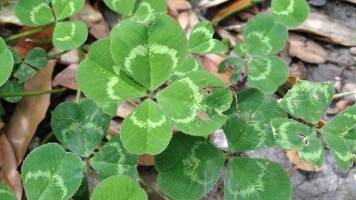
(31, 93)
(77, 98)
(26, 33)
(56, 54)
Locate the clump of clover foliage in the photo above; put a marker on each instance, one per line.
(148, 60)
(67, 34)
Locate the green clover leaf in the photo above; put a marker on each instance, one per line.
(100, 78)
(37, 58)
(80, 127)
(69, 35)
(113, 159)
(6, 193)
(12, 86)
(249, 128)
(291, 13)
(147, 130)
(264, 36)
(118, 188)
(49, 172)
(201, 40)
(248, 178)
(6, 62)
(34, 13)
(192, 110)
(196, 167)
(149, 53)
(65, 8)
(125, 8)
(336, 134)
(267, 73)
(307, 100)
(290, 134)
(146, 9)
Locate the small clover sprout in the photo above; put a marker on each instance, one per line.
(67, 35)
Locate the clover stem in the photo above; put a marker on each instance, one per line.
(26, 33)
(77, 98)
(56, 55)
(345, 94)
(31, 93)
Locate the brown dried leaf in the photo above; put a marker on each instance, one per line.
(306, 49)
(211, 63)
(330, 29)
(94, 20)
(146, 160)
(8, 167)
(300, 164)
(30, 111)
(231, 8)
(67, 77)
(125, 109)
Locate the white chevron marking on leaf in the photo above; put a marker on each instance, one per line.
(110, 89)
(288, 10)
(191, 164)
(263, 39)
(149, 124)
(73, 28)
(35, 10)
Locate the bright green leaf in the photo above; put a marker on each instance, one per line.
(193, 110)
(101, 79)
(291, 13)
(6, 193)
(79, 126)
(12, 86)
(66, 8)
(189, 168)
(118, 188)
(292, 135)
(147, 130)
(149, 53)
(249, 129)
(188, 66)
(264, 36)
(37, 58)
(6, 62)
(34, 12)
(146, 9)
(125, 8)
(201, 40)
(336, 132)
(267, 73)
(49, 172)
(257, 179)
(113, 159)
(69, 35)
(307, 100)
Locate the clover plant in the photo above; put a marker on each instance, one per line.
(150, 61)
(67, 35)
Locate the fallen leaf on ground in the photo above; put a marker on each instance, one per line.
(8, 166)
(306, 49)
(67, 77)
(29, 112)
(300, 164)
(211, 63)
(329, 29)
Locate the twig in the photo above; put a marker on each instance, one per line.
(31, 93)
(345, 94)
